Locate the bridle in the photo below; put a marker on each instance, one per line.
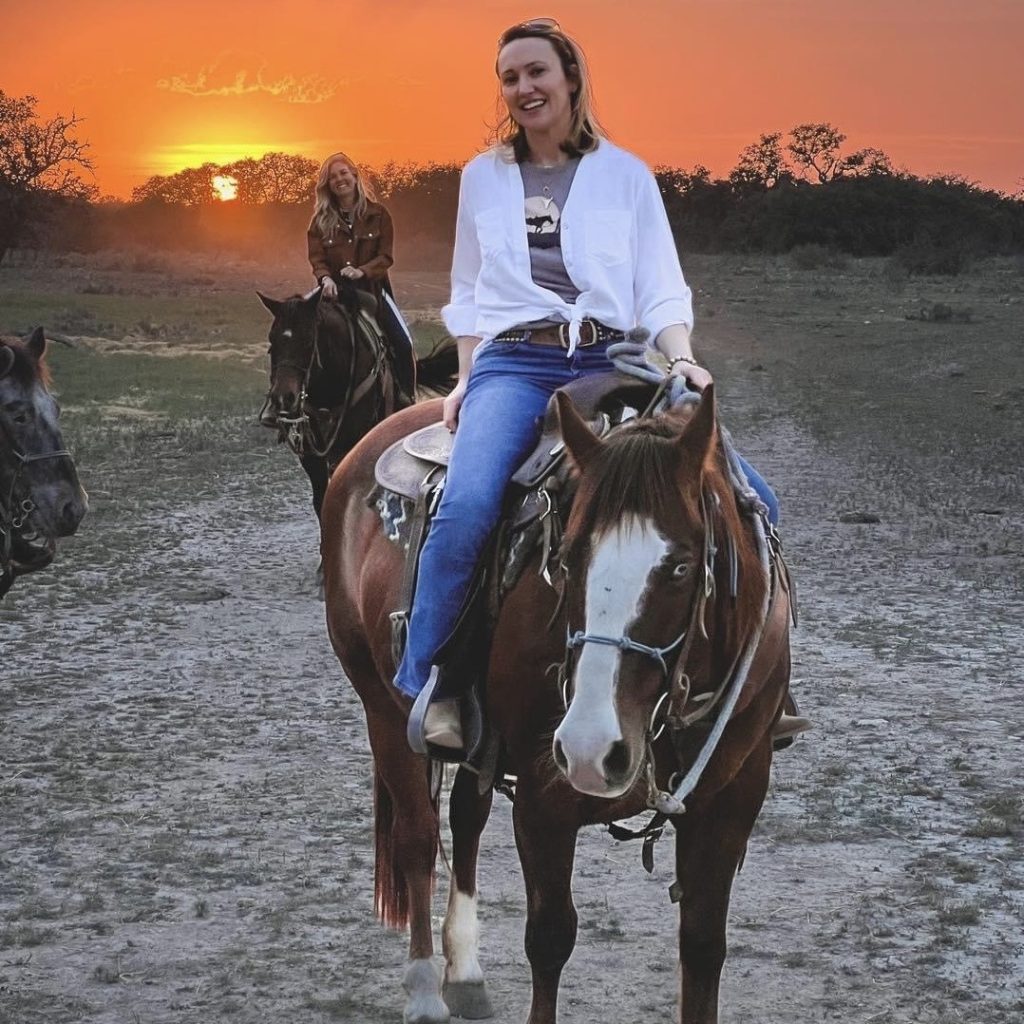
(297, 431)
(14, 513)
(670, 709)
(676, 686)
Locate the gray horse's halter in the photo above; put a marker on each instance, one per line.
(14, 514)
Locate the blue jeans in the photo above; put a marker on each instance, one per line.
(499, 424)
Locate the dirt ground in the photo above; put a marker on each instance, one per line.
(185, 811)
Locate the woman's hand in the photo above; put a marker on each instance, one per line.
(696, 376)
(353, 273)
(452, 404)
(674, 344)
(328, 289)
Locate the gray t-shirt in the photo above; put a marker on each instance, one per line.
(546, 190)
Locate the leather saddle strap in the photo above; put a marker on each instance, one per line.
(400, 616)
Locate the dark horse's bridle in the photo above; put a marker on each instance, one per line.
(297, 430)
(13, 512)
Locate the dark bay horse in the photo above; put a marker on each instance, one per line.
(667, 590)
(40, 496)
(331, 381)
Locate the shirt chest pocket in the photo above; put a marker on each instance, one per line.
(491, 234)
(607, 236)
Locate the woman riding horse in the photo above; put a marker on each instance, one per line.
(672, 624)
(562, 246)
(351, 236)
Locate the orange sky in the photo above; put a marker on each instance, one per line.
(937, 84)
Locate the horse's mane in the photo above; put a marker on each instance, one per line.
(634, 474)
(26, 371)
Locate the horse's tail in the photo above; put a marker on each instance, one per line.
(437, 370)
(390, 887)
(390, 891)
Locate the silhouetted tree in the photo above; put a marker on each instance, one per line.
(190, 187)
(674, 181)
(39, 163)
(814, 148)
(761, 164)
(864, 163)
(274, 178)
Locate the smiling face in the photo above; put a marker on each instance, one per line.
(341, 180)
(535, 87)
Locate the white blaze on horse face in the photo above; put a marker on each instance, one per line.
(616, 583)
(461, 935)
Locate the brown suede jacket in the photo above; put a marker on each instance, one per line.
(368, 247)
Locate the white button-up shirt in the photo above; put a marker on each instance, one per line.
(617, 247)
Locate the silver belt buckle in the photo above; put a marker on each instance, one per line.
(563, 335)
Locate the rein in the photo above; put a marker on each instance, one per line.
(297, 430)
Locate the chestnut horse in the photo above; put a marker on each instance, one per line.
(40, 496)
(656, 624)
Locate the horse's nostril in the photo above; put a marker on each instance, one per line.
(616, 763)
(560, 758)
(70, 516)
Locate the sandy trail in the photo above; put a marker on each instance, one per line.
(185, 830)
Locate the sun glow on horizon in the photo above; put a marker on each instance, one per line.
(172, 159)
(225, 186)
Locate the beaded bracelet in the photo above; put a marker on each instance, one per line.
(680, 359)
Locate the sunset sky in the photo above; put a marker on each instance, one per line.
(937, 84)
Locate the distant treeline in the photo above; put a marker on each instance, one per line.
(876, 215)
(784, 192)
(939, 220)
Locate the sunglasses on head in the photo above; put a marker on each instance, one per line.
(544, 25)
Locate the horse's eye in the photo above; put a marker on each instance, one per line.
(680, 571)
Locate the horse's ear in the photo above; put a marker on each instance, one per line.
(6, 360)
(580, 441)
(698, 437)
(273, 305)
(36, 344)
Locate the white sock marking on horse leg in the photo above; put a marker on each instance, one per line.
(422, 985)
(461, 938)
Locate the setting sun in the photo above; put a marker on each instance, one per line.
(225, 186)
(206, 84)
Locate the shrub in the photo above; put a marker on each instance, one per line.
(812, 256)
(929, 256)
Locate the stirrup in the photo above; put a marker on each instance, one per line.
(418, 730)
(787, 728)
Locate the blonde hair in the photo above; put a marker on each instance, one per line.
(585, 131)
(326, 212)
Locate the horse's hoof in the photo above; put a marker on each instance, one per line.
(424, 1009)
(468, 999)
(422, 983)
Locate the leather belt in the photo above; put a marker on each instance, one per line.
(592, 332)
